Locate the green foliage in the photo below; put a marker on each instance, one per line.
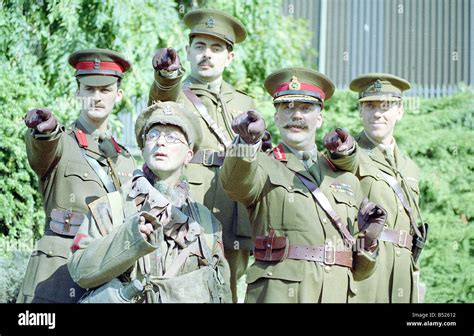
(12, 269)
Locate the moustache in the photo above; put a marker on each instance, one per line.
(206, 62)
(296, 123)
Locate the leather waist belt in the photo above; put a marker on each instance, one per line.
(398, 237)
(325, 254)
(208, 158)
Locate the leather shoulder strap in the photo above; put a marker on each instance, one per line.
(207, 118)
(397, 188)
(103, 176)
(323, 202)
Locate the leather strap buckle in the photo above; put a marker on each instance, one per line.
(208, 159)
(402, 238)
(329, 254)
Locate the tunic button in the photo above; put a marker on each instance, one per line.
(325, 220)
(377, 175)
(290, 188)
(355, 290)
(400, 208)
(327, 269)
(269, 274)
(397, 253)
(50, 252)
(85, 174)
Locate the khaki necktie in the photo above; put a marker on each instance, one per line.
(306, 158)
(390, 159)
(311, 167)
(106, 145)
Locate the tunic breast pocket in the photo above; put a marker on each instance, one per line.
(292, 207)
(346, 208)
(82, 174)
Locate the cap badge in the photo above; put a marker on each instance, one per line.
(377, 86)
(294, 84)
(210, 22)
(97, 64)
(168, 110)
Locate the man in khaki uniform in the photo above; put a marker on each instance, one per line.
(152, 232)
(216, 103)
(389, 178)
(75, 166)
(303, 211)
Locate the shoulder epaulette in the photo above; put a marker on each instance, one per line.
(81, 138)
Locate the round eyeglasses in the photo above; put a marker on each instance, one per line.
(171, 138)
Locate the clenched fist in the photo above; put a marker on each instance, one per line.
(371, 219)
(250, 126)
(40, 119)
(166, 59)
(338, 141)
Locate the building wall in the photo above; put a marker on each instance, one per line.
(428, 42)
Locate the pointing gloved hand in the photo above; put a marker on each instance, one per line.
(266, 141)
(250, 126)
(371, 219)
(338, 141)
(40, 119)
(166, 59)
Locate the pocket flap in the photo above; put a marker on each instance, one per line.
(264, 242)
(65, 222)
(74, 218)
(290, 270)
(343, 197)
(54, 246)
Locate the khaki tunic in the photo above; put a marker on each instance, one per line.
(67, 182)
(204, 181)
(395, 279)
(276, 199)
(100, 258)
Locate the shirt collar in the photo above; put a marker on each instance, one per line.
(299, 154)
(214, 86)
(90, 129)
(383, 148)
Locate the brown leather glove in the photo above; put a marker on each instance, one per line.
(371, 219)
(40, 119)
(250, 126)
(166, 59)
(338, 141)
(267, 141)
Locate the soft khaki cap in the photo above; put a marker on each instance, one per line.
(169, 113)
(379, 86)
(299, 84)
(215, 23)
(98, 67)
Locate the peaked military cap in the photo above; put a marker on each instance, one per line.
(98, 67)
(169, 113)
(299, 84)
(379, 86)
(215, 23)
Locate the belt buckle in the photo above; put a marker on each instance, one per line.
(331, 249)
(205, 158)
(402, 238)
